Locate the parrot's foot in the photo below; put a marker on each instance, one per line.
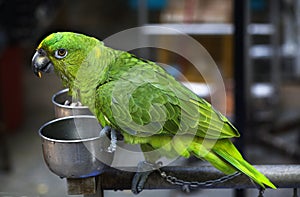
(107, 130)
(144, 169)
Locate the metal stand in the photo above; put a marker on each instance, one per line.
(240, 114)
(89, 187)
(283, 176)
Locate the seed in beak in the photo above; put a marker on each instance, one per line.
(40, 74)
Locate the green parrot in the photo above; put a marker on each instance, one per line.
(143, 102)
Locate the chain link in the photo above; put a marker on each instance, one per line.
(187, 185)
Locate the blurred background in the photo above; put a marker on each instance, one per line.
(255, 46)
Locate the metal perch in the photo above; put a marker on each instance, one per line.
(283, 176)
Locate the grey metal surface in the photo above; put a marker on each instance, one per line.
(61, 110)
(72, 147)
(283, 176)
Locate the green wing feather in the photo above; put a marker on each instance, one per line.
(155, 102)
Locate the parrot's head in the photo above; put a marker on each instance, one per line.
(63, 52)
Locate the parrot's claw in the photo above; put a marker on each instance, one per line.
(113, 141)
(113, 138)
(144, 169)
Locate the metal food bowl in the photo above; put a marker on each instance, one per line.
(72, 147)
(62, 110)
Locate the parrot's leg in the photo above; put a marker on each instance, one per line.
(144, 169)
(107, 130)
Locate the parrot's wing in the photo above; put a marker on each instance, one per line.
(145, 100)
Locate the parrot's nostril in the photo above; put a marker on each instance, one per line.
(41, 52)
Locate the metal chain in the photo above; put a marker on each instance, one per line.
(187, 185)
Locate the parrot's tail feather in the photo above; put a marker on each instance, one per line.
(228, 152)
(225, 157)
(248, 169)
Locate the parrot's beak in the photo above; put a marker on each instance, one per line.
(41, 63)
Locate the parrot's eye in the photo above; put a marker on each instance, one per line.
(61, 53)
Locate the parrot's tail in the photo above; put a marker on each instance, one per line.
(225, 157)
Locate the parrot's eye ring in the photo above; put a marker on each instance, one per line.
(61, 53)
